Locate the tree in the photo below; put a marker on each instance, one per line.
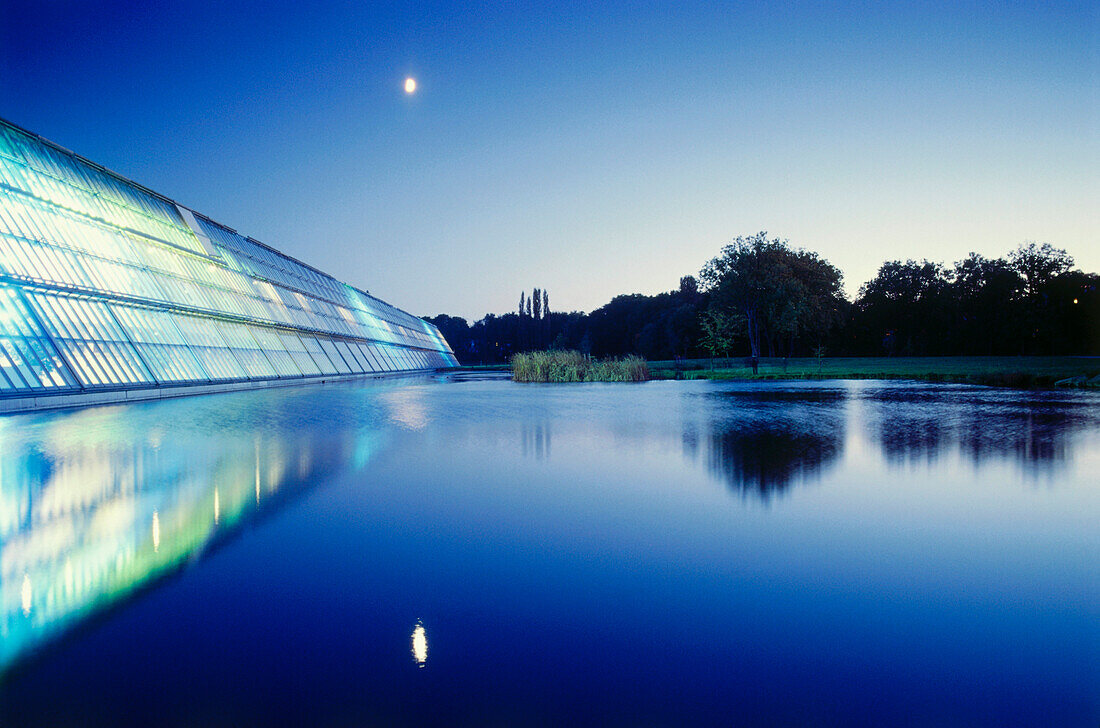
(1039, 264)
(906, 306)
(774, 292)
(1072, 322)
(682, 327)
(546, 315)
(985, 297)
(1027, 302)
(719, 332)
(689, 287)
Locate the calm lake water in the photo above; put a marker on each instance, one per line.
(478, 552)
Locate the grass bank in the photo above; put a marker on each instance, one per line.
(572, 366)
(1000, 371)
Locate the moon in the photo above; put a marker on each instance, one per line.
(410, 85)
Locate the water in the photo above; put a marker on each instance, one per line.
(437, 551)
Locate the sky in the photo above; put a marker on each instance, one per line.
(587, 149)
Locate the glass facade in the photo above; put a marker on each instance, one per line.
(104, 284)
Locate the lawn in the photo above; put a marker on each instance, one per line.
(1007, 371)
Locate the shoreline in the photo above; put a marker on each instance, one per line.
(1021, 372)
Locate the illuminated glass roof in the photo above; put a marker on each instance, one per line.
(107, 285)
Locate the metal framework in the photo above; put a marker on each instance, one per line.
(107, 286)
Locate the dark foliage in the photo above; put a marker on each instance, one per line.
(664, 326)
(1031, 301)
(780, 299)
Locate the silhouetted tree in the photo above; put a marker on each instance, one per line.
(904, 307)
(775, 292)
(689, 287)
(545, 327)
(1039, 264)
(1031, 301)
(985, 299)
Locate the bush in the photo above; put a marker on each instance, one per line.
(572, 366)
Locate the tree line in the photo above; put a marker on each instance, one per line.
(763, 297)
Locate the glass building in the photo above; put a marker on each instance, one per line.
(109, 291)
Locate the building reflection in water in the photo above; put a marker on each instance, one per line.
(406, 407)
(762, 441)
(535, 438)
(88, 515)
(420, 645)
(27, 595)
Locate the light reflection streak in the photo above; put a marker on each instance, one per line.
(420, 645)
(406, 408)
(26, 595)
(257, 472)
(89, 513)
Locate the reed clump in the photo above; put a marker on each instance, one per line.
(572, 366)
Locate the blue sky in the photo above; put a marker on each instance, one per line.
(587, 149)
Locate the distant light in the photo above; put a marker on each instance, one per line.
(420, 645)
(1075, 300)
(257, 470)
(26, 595)
(410, 85)
(156, 531)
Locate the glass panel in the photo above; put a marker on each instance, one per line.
(298, 352)
(161, 344)
(208, 346)
(93, 342)
(275, 351)
(383, 359)
(368, 352)
(387, 356)
(246, 350)
(334, 356)
(351, 357)
(314, 348)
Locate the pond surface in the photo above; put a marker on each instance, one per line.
(478, 552)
